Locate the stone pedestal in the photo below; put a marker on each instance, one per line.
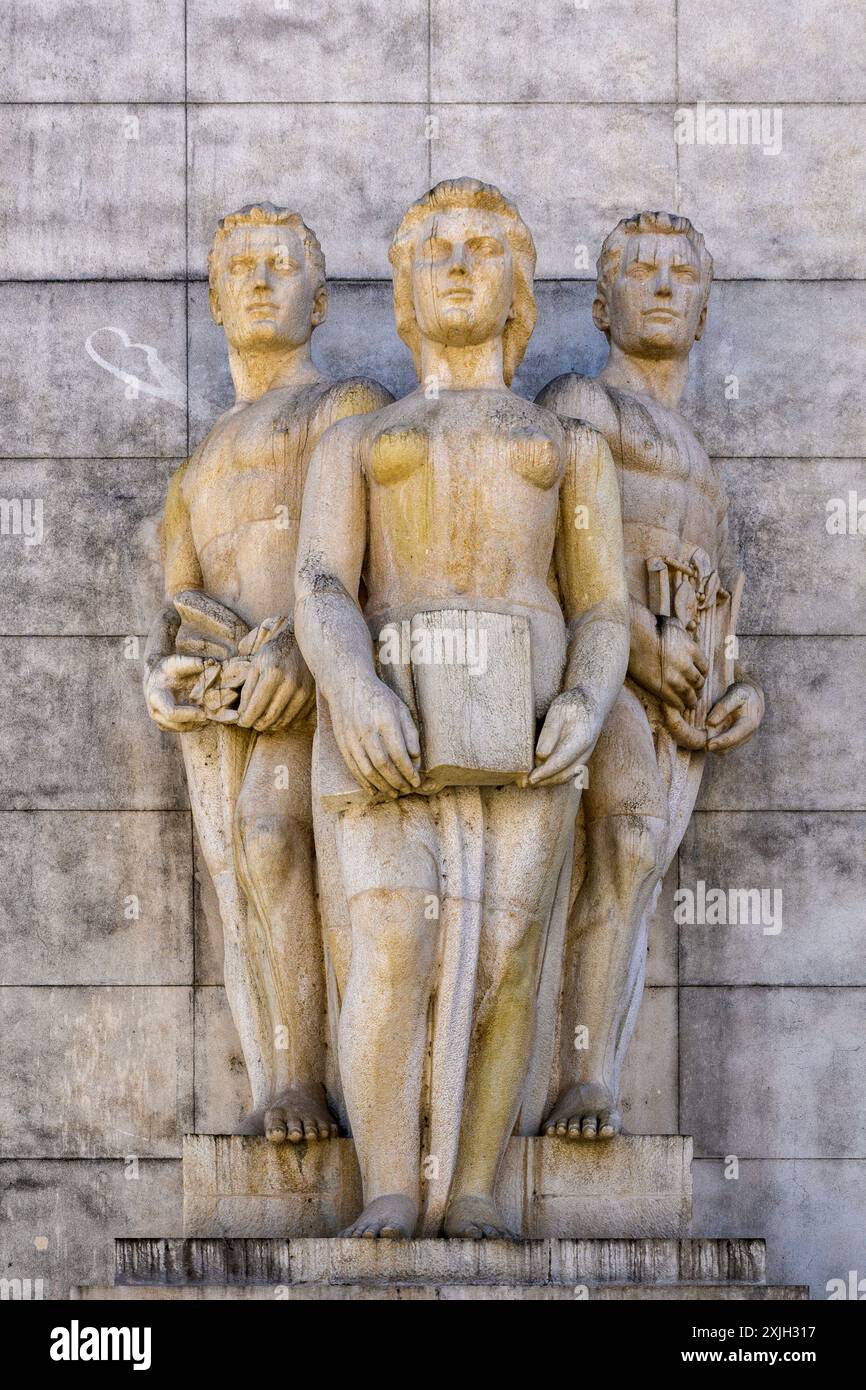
(339, 1269)
(641, 1184)
(261, 1221)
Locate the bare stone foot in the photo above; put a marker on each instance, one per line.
(475, 1218)
(299, 1113)
(588, 1110)
(393, 1217)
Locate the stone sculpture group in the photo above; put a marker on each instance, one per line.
(445, 671)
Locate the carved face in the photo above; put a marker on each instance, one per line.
(265, 294)
(655, 302)
(462, 277)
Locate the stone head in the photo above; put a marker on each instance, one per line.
(267, 279)
(654, 276)
(463, 261)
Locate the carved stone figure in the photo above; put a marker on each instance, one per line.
(685, 695)
(460, 585)
(222, 666)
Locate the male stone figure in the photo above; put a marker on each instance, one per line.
(455, 508)
(222, 666)
(682, 695)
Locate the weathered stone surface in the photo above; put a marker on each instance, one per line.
(357, 339)
(800, 578)
(821, 937)
(60, 1217)
(747, 324)
(95, 1072)
(565, 337)
(554, 1187)
(320, 146)
(806, 758)
(649, 1081)
(56, 402)
(95, 898)
(621, 51)
(817, 51)
(535, 1262)
(235, 1186)
(423, 1293)
(812, 1212)
(89, 51)
(529, 150)
(108, 508)
(768, 1072)
(794, 202)
(797, 350)
(134, 767)
(352, 52)
(222, 1091)
(92, 177)
(663, 948)
(755, 332)
(209, 945)
(649, 1077)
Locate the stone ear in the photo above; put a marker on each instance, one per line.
(600, 316)
(320, 306)
(213, 301)
(702, 323)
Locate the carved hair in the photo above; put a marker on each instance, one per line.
(268, 215)
(658, 224)
(467, 193)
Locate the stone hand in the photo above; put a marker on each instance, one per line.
(566, 740)
(278, 688)
(167, 690)
(667, 663)
(377, 737)
(735, 717)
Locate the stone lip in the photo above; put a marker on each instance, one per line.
(537, 1263)
(417, 1293)
(236, 1186)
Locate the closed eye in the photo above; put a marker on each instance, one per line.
(485, 246)
(435, 248)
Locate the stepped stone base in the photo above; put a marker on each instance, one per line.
(408, 1293)
(438, 1262)
(260, 1222)
(236, 1186)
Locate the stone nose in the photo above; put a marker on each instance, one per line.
(663, 282)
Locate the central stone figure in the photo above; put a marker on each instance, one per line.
(460, 587)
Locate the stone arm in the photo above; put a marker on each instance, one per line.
(592, 584)
(373, 728)
(663, 659)
(181, 570)
(735, 717)
(168, 676)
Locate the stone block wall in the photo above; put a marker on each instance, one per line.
(126, 130)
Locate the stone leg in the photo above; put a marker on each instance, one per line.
(628, 849)
(390, 868)
(681, 774)
(626, 808)
(215, 758)
(274, 858)
(526, 836)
